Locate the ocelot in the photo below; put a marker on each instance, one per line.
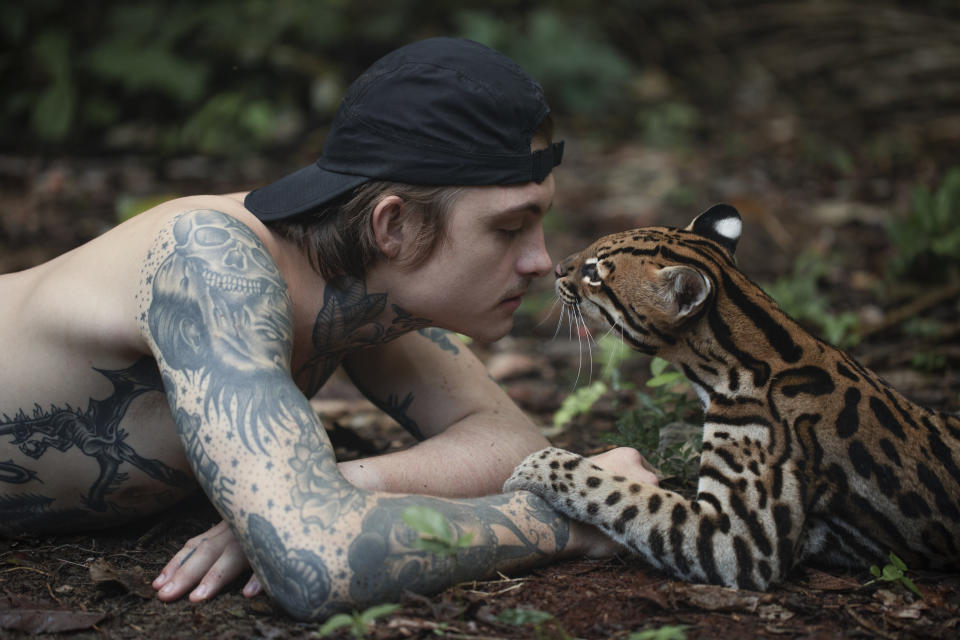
(807, 455)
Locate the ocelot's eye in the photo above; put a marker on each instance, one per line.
(589, 272)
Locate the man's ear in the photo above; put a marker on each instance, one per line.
(388, 227)
(682, 291)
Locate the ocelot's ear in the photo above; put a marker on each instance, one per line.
(682, 291)
(721, 223)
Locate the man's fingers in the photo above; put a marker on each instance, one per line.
(253, 587)
(188, 569)
(230, 565)
(218, 535)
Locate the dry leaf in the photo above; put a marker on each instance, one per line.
(134, 580)
(714, 598)
(35, 617)
(822, 581)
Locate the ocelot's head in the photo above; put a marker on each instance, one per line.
(651, 283)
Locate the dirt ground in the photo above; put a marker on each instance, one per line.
(93, 586)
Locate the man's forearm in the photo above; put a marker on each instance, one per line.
(471, 458)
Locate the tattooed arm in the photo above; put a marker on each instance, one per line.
(472, 433)
(218, 319)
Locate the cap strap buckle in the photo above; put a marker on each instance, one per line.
(544, 160)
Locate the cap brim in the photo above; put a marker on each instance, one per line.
(300, 192)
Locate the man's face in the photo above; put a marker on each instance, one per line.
(475, 278)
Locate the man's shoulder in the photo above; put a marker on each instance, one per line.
(230, 204)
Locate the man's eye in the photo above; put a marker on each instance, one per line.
(511, 231)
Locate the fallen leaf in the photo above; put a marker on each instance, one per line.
(774, 613)
(823, 581)
(37, 617)
(134, 580)
(912, 611)
(715, 598)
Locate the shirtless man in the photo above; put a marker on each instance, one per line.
(181, 348)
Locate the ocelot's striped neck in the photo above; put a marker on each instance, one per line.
(734, 349)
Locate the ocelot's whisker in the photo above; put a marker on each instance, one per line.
(586, 329)
(579, 347)
(549, 313)
(563, 308)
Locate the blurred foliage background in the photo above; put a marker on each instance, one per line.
(787, 105)
(845, 82)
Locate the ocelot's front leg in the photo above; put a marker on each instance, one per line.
(727, 536)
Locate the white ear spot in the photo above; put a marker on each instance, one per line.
(591, 261)
(729, 228)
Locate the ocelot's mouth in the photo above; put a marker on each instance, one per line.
(567, 291)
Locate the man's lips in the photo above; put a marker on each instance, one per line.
(513, 300)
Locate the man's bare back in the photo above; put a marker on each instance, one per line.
(86, 434)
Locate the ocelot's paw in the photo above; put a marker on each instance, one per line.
(547, 473)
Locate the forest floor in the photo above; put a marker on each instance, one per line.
(98, 585)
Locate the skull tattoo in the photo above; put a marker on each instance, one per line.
(217, 314)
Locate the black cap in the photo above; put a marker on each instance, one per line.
(442, 111)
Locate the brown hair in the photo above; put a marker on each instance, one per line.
(338, 237)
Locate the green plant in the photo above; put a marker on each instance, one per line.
(578, 402)
(895, 571)
(539, 620)
(667, 401)
(666, 632)
(798, 294)
(436, 534)
(929, 361)
(640, 415)
(358, 623)
(610, 351)
(927, 241)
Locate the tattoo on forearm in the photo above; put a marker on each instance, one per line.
(305, 583)
(318, 490)
(347, 321)
(218, 486)
(94, 431)
(385, 563)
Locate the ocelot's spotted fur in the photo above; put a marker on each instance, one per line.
(807, 455)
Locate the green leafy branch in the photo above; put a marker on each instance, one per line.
(895, 571)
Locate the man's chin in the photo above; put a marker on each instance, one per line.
(489, 333)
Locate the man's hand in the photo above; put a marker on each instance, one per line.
(214, 558)
(589, 541)
(627, 462)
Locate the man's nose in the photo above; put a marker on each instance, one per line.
(537, 261)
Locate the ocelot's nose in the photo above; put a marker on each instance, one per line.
(563, 267)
